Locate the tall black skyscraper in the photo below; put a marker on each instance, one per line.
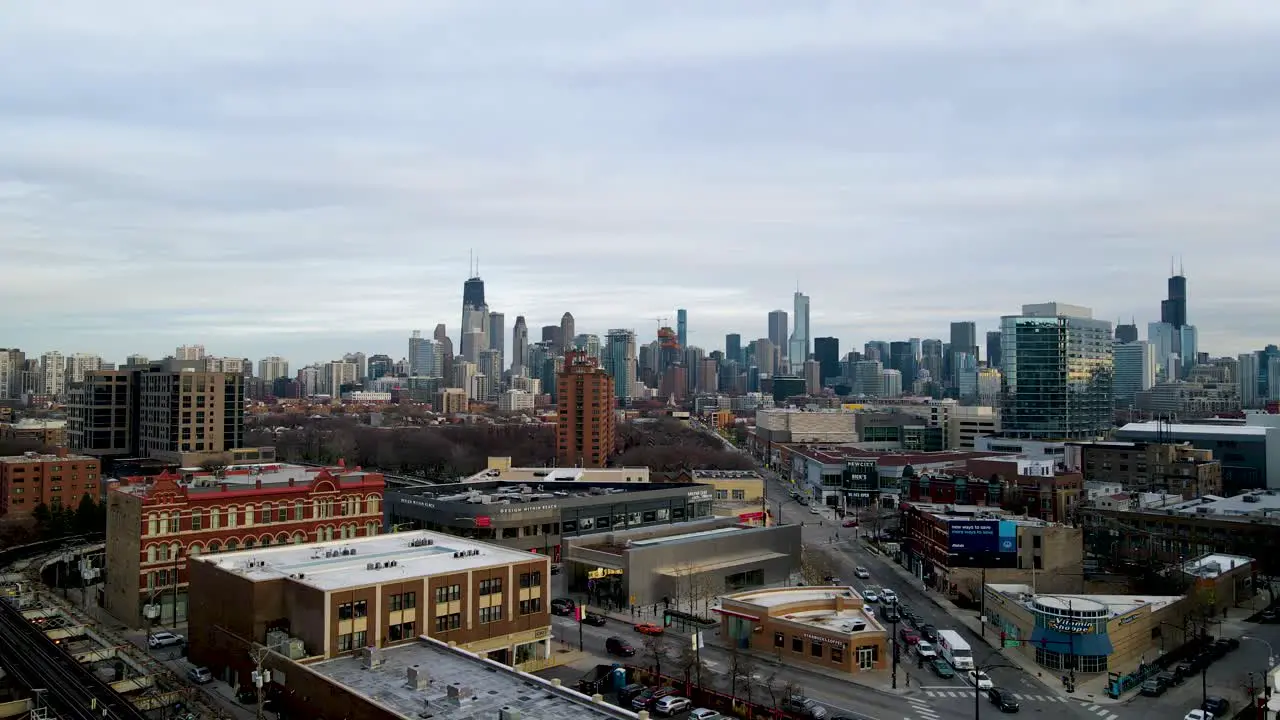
(902, 357)
(733, 347)
(1174, 310)
(1126, 333)
(993, 348)
(826, 350)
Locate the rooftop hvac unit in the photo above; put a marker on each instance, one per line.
(368, 566)
(377, 566)
(508, 713)
(430, 541)
(302, 576)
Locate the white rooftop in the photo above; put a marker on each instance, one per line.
(843, 621)
(346, 563)
(699, 535)
(1188, 429)
(1117, 605)
(484, 686)
(1262, 502)
(1215, 564)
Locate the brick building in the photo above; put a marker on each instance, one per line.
(47, 433)
(154, 524)
(585, 422)
(58, 479)
(339, 598)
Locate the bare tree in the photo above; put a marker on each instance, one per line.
(736, 660)
(655, 648)
(815, 567)
(216, 464)
(774, 686)
(747, 670)
(691, 664)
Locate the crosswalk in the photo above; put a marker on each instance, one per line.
(968, 693)
(922, 709)
(1102, 712)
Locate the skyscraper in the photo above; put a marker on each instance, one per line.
(620, 362)
(1172, 336)
(497, 340)
(270, 368)
(1058, 373)
(826, 350)
(1248, 379)
(1135, 371)
(1126, 333)
(520, 347)
(567, 332)
(733, 347)
(551, 335)
(778, 330)
(798, 349)
(931, 359)
(682, 327)
(902, 359)
(993, 348)
(475, 319)
(964, 339)
(584, 418)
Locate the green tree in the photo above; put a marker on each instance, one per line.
(86, 516)
(42, 516)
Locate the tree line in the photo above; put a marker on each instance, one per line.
(451, 451)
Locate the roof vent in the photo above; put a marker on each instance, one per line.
(368, 566)
(377, 566)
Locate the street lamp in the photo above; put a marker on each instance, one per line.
(1271, 661)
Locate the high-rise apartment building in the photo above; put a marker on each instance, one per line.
(475, 319)
(1248, 379)
(708, 375)
(588, 342)
(567, 332)
(620, 362)
(189, 352)
(868, 378)
(380, 366)
(964, 339)
(53, 374)
(826, 350)
(766, 352)
(336, 374)
(891, 383)
(135, 360)
(682, 327)
(520, 348)
(490, 366)
(778, 330)
(733, 348)
(1058, 373)
(551, 336)
(903, 360)
(273, 367)
(1135, 371)
(585, 411)
(798, 349)
(360, 360)
(80, 363)
(12, 361)
(497, 340)
(993, 348)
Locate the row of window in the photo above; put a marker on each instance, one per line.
(404, 601)
(531, 579)
(264, 514)
(491, 586)
(493, 613)
(448, 593)
(867, 656)
(583, 524)
(452, 621)
(350, 641)
(162, 552)
(403, 631)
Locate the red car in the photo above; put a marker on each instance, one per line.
(849, 523)
(649, 629)
(909, 636)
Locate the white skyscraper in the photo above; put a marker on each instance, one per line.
(1248, 379)
(81, 363)
(273, 367)
(53, 373)
(520, 347)
(189, 352)
(799, 345)
(620, 362)
(1135, 370)
(891, 383)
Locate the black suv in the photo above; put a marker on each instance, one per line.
(1003, 700)
(929, 632)
(562, 606)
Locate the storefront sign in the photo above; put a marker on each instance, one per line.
(826, 641)
(416, 503)
(528, 508)
(1128, 620)
(700, 496)
(599, 572)
(541, 633)
(1071, 625)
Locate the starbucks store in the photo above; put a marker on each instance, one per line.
(1086, 633)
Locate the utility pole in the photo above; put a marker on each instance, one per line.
(893, 638)
(259, 655)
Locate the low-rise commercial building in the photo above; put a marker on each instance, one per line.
(1181, 469)
(828, 627)
(793, 425)
(345, 597)
(155, 525)
(46, 433)
(538, 514)
(1088, 633)
(1250, 454)
(685, 564)
(55, 480)
(955, 548)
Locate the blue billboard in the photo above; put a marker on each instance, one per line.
(972, 537)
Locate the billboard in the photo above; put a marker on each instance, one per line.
(979, 543)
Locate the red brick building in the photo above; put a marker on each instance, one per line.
(58, 479)
(584, 421)
(154, 523)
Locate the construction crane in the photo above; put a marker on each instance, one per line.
(662, 321)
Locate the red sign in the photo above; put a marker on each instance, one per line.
(748, 517)
(483, 521)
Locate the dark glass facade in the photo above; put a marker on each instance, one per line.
(1057, 377)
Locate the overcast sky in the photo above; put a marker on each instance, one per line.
(306, 177)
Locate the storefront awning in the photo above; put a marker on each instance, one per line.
(1071, 643)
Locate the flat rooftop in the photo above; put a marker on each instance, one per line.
(508, 492)
(1116, 605)
(1189, 429)
(340, 564)
(1215, 564)
(35, 457)
(486, 686)
(1258, 502)
(972, 513)
(853, 618)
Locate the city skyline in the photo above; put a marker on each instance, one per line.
(306, 183)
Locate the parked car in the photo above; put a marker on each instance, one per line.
(704, 714)
(815, 510)
(1215, 705)
(942, 669)
(646, 699)
(555, 569)
(648, 629)
(1169, 678)
(833, 580)
(627, 693)
(594, 619)
(929, 633)
(870, 595)
(914, 619)
(1184, 670)
(925, 650)
(981, 679)
(890, 614)
(200, 675)
(163, 639)
(1152, 687)
(1003, 700)
(671, 704)
(909, 636)
(1197, 714)
(849, 523)
(1226, 645)
(861, 572)
(563, 606)
(801, 705)
(617, 646)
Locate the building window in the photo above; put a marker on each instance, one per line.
(359, 638)
(197, 520)
(530, 606)
(344, 643)
(739, 494)
(531, 579)
(493, 613)
(815, 648)
(448, 593)
(491, 586)
(837, 655)
(797, 644)
(448, 622)
(403, 631)
(361, 608)
(779, 640)
(344, 611)
(722, 494)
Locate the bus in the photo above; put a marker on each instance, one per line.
(955, 650)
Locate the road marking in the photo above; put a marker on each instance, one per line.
(1112, 716)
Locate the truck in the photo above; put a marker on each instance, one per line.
(955, 650)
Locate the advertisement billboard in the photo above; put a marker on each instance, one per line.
(983, 543)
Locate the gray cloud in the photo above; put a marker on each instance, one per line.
(308, 177)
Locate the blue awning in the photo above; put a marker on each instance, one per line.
(1071, 643)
